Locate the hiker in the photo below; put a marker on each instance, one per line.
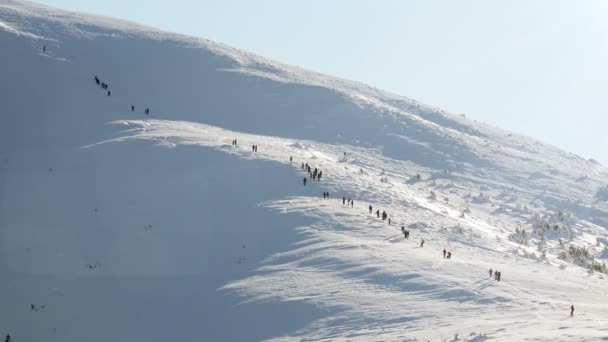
(252, 148)
(421, 243)
(403, 231)
(132, 108)
(499, 275)
(109, 93)
(370, 208)
(352, 204)
(328, 195)
(8, 338)
(147, 111)
(302, 165)
(343, 200)
(319, 175)
(304, 181)
(96, 80)
(490, 273)
(444, 253)
(384, 215)
(378, 213)
(290, 159)
(389, 221)
(571, 310)
(348, 202)
(449, 255)
(407, 234)
(44, 48)
(235, 142)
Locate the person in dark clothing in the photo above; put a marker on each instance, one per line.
(96, 80)
(389, 221)
(571, 310)
(147, 111)
(319, 175)
(304, 181)
(407, 234)
(132, 108)
(490, 273)
(343, 200)
(290, 159)
(44, 48)
(449, 255)
(499, 275)
(444, 253)
(421, 243)
(370, 208)
(352, 204)
(384, 216)
(109, 93)
(378, 213)
(8, 338)
(403, 231)
(252, 148)
(235, 142)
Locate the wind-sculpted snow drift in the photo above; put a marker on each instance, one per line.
(117, 225)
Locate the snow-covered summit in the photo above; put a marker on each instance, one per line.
(122, 225)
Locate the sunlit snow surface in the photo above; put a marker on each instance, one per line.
(125, 227)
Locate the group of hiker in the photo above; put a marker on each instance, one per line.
(105, 87)
(254, 148)
(406, 233)
(496, 274)
(326, 195)
(313, 174)
(233, 142)
(348, 203)
(447, 254)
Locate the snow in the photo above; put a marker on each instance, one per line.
(128, 227)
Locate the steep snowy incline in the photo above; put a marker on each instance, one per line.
(117, 225)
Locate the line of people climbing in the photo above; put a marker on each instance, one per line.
(105, 86)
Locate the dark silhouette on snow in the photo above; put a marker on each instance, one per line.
(421, 243)
(8, 338)
(132, 108)
(370, 208)
(444, 253)
(571, 310)
(304, 181)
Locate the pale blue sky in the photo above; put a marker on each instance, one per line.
(531, 66)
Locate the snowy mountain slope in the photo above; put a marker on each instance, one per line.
(133, 227)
